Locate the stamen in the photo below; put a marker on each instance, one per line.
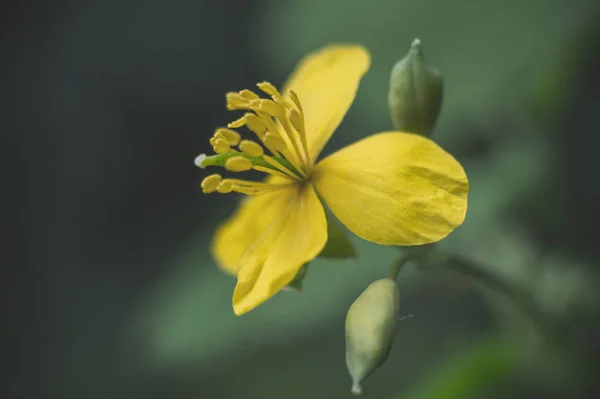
(221, 146)
(295, 119)
(269, 89)
(210, 183)
(294, 137)
(256, 188)
(254, 123)
(251, 148)
(267, 106)
(225, 187)
(301, 127)
(216, 136)
(294, 97)
(277, 165)
(236, 101)
(278, 123)
(237, 123)
(249, 95)
(274, 141)
(238, 164)
(290, 152)
(249, 183)
(231, 136)
(270, 171)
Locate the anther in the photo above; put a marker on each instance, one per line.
(237, 123)
(210, 183)
(221, 146)
(236, 101)
(251, 148)
(294, 97)
(274, 142)
(226, 186)
(218, 135)
(238, 164)
(254, 123)
(269, 89)
(249, 95)
(231, 136)
(267, 106)
(295, 119)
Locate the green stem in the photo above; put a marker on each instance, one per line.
(522, 299)
(477, 271)
(547, 325)
(397, 266)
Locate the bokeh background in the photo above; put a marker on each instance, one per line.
(109, 289)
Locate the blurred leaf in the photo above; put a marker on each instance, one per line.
(485, 364)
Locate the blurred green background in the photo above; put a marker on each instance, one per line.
(109, 288)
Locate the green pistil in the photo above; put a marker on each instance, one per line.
(220, 159)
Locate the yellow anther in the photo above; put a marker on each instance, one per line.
(275, 142)
(294, 97)
(237, 123)
(249, 95)
(251, 148)
(226, 186)
(266, 106)
(210, 183)
(269, 89)
(231, 136)
(295, 120)
(236, 101)
(238, 164)
(254, 123)
(221, 146)
(217, 136)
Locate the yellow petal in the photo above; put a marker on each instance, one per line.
(394, 189)
(252, 217)
(326, 82)
(297, 236)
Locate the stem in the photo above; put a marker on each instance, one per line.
(549, 326)
(397, 266)
(520, 298)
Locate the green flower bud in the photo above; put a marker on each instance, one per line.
(415, 95)
(370, 327)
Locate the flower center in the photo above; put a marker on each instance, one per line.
(278, 123)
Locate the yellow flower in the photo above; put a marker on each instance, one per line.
(391, 188)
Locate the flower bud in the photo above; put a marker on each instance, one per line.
(415, 95)
(370, 327)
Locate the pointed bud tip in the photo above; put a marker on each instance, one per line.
(356, 389)
(416, 43)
